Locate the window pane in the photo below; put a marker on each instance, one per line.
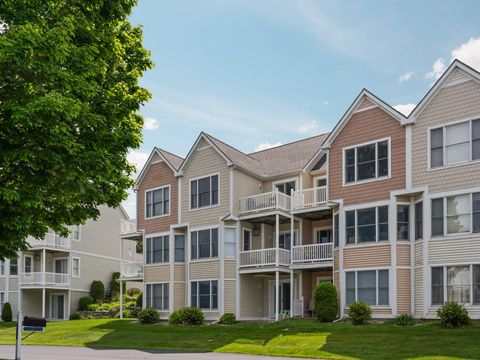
(476, 212)
(149, 295)
(437, 217)
(350, 174)
(383, 167)
(476, 284)
(336, 232)
(289, 187)
(367, 287)
(457, 133)
(458, 284)
(436, 157)
(166, 200)
(437, 285)
(383, 296)
(458, 214)
(214, 189)
(157, 249)
(436, 138)
(149, 203)
(366, 153)
(350, 227)
(476, 130)
(366, 170)
(204, 294)
(350, 157)
(193, 291)
(476, 150)
(193, 194)
(403, 222)
(457, 153)
(476, 139)
(229, 238)
(418, 220)
(214, 295)
(383, 149)
(166, 247)
(366, 162)
(350, 282)
(149, 252)
(383, 223)
(179, 248)
(214, 242)
(204, 192)
(166, 296)
(194, 240)
(366, 225)
(204, 244)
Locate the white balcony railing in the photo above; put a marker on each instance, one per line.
(45, 279)
(267, 201)
(312, 253)
(128, 226)
(264, 257)
(132, 270)
(309, 197)
(51, 240)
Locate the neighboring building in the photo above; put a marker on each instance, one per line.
(57, 271)
(385, 207)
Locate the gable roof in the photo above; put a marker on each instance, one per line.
(456, 73)
(280, 160)
(364, 101)
(173, 162)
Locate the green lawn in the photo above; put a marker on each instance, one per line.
(300, 338)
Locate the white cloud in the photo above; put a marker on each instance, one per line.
(266, 145)
(438, 68)
(469, 53)
(130, 204)
(309, 126)
(405, 109)
(137, 158)
(405, 77)
(150, 123)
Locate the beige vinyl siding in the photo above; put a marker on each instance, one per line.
(157, 273)
(403, 291)
(336, 259)
(179, 296)
(450, 104)
(229, 296)
(251, 296)
(454, 251)
(229, 269)
(380, 313)
(336, 281)
(204, 270)
(419, 291)
(91, 268)
(179, 272)
(202, 163)
(403, 254)
(366, 256)
(244, 185)
(419, 253)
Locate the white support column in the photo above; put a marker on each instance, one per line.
(292, 292)
(262, 235)
(121, 297)
(221, 282)
(392, 235)
(277, 240)
(6, 264)
(43, 302)
(237, 273)
(426, 276)
(292, 232)
(69, 302)
(171, 259)
(277, 294)
(341, 245)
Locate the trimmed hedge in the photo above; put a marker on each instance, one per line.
(84, 302)
(186, 316)
(7, 312)
(326, 302)
(97, 290)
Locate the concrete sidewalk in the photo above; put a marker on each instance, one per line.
(31, 352)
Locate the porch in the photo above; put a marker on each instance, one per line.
(53, 304)
(274, 200)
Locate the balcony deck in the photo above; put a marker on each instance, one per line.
(45, 279)
(265, 202)
(131, 271)
(128, 230)
(51, 241)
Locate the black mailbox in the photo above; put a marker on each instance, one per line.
(34, 321)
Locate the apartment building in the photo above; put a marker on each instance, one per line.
(386, 207)
(56, 271)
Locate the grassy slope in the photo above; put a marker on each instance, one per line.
(302, 338)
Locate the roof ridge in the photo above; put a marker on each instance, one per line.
(292, 142)
(232, 147)
(169, 152)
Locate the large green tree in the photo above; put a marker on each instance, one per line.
(69, 102)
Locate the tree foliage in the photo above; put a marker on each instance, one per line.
(69, 101)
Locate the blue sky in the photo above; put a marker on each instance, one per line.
(255, 73)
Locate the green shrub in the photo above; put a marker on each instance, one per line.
(75, 316)
(93, 307)
(84, 302)
(134, 292)
(148, 316)
(405, 320)
(186, 316)
(359, 312)
(140, 300)
(326, 302)
(97, 290)
(115, 285)
(7, 312)
(127, 314)
(227, 319)
(452, 314)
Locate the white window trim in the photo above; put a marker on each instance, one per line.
(198, 259)
(377, 232)
(356, 271)
(73, 261)
(159, 283)
(198, 294)
(243, 239)
(320, 228)
(443, 126)
(190, 192)
(376, 178)
(283, 181)
(316, 178)
(169, 201)
(235, 243)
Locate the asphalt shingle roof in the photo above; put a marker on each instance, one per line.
(173, 159)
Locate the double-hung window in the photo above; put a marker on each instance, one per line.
(365, 162)
(179, 248)
(455, 144)
(2, 299)
(158, 296)
(204, 294)
(367, 225)
(157, 202)
(369, 286)
(459, 283)
(204, 192)
(419, 220)
(2, 268)
(336, 230)
(157, 249)
(75, 267)
(403, 223)
(204, 244)
(229, 236)
(455, 214)
(14, 267)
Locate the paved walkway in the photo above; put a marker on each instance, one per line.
(80, 353)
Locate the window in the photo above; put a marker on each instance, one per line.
(158, 296)
(367, 225)
(179, 248)
(455, 144)
(229, 239)
(321, 182)
(76, 267)
(158, 202)
(462, 284)
(336, 230)
(285, 187)
(2, 299)
(204, 294)
(457, 213)
(247, 240)
(75, 232)
(403, 232)
(419, 220)
(369, 286)
(285, 240)
(27, 266)
(2, 268)
(204, 192)
(157, 249)
(14, 267)
(204, 244)
(370, 161)
(323, 236)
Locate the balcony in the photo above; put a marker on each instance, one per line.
(131, 271)
(128, 230)
(51, 240)
(312, 253)
(263, 258)
(309, 198)
(45, 279)
(263, 202)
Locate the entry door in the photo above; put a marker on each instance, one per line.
(61, 268)
(284, 298)
(58, 307)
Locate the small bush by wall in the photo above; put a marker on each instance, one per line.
(404, 320)
(84, 302)
(97, 290)
(186, 316)
(227, 319)
(148, 316)
(359, 312)
(452, 314)
(75, 316)
(326, 302)
(7, 312)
